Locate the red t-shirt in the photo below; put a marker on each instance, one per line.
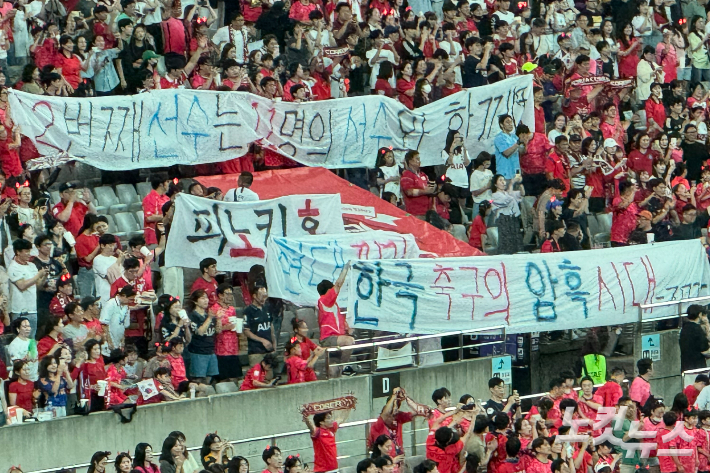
(46, 344)
(539, 120)
(331, 322)
(103, 29)
(446, 459)
(499, 456)
(655, 110)
(535, 157)
(639, 161)
(402, 87)
(511, 465)
(446, 91)
(395, 433)
(623, 221)
(415, 205)
(300, 12)
(580, 106)
(297, 367)
(177, 366)
(76, 218)
(478, 228)
(85, 244)
(691, 393)
(209, 287)
(536, 466)
(24, 394)
(70, 67)
(610, 393)
(152, 205)
(325, 452)
(255, 373)
(174, 34)
(383, 87)
(558, 166)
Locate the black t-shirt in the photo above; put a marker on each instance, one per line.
(167, 328)
(201, 344)
(692, 342)
(471, 76)
(687, 231)
(694, 155)
(46, 292)
(259, 323)
(493, 408)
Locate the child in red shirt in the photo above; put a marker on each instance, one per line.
(477, 233)
(257, 375)
(177, 363)
(300, 370)
(667, 462)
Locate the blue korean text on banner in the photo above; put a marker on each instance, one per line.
(295, 266)
(526, 293)
(188, 127)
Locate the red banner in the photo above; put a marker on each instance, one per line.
(335, 52)
(341, 403)
(594, 80)
(316, 180)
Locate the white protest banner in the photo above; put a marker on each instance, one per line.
(525, 293)
(237, 234)
(295, 266)
(182, 126)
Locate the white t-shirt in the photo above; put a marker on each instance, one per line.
(385, 55)
(241, 194)
(478, 180)
(457, 171)
(392, 186)
(76, 335)
(237, 37)
(22, 301)
(637, 22)
(457, 51)
(19, 349)
(116, 317)
(100, 268)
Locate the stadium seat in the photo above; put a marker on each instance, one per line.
(603, 239)
(126, 223)
(309, 315)
(106, 197)
(604, 220)
(144, 189)
(226, 387)
(127, 195)
(459, 232)
(113, 229)
(593, 224)
(55, 197)
(139, 218)
(492, 243)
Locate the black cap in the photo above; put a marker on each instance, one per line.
(100, 8)
(575, 137)
(66, 186)
(87, 301)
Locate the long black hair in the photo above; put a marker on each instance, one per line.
(207, 446)
(139, 457)
(450, 140)
(379, 442)
(166, 454)
(96, 458)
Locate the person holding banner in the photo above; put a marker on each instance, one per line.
(334, 329)
(323, 428)
(508, 148)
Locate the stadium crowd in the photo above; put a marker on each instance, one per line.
(620, 106)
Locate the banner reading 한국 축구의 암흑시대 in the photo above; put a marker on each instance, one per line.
(526, 293)
(182, 126)
(237, 234)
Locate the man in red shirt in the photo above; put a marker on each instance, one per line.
(692, 391)
(416, 187)
(258, 374)
(533, 159)
(611, 126)
(208, 268)
(625, 212)
(611, 392)
(72, 208)
(152, 207)
(557, 164)
(142, 282)
(323, 428)
(391, 421)
(334, 330)
(102, 28)
(301, 9)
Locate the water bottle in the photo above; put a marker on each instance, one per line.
(49, 407)
(192, 392)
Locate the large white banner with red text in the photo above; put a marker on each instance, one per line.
(237, 234)
(526, 293)
(182, 126)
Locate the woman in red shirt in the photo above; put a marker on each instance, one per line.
(300, 370)
(628, 52)
(300, 331)
(53, 340)
(67, 62)
(21, 390)
(89, 373)
(382, 86)
(405, 86)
